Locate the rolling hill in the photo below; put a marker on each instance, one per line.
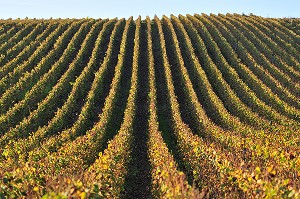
(178, 107)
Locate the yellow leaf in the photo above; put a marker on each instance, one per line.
(257, 169)
(273, 172)
(269, 169)
(82, 195)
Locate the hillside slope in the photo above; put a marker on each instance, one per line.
(177, 107)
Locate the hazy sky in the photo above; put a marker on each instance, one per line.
(126, 8)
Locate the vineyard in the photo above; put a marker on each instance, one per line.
(202, 106)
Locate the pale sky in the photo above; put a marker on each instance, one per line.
(126, 8)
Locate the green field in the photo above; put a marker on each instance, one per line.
(172, 107)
